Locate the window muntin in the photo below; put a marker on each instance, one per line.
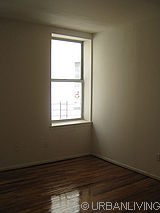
(66, 80)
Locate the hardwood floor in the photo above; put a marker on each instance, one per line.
(63, 187)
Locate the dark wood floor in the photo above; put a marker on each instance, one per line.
(64, 186)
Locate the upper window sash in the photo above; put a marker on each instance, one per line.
(66, 64)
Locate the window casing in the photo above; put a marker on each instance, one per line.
(67, 82)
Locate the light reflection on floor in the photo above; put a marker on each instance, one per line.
(66, 203)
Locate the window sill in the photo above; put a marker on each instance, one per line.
(70, 123)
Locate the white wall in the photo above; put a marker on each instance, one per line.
(25, 135)
(126, 97)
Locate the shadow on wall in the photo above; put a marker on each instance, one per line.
(96, 148)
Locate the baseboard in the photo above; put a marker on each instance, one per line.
(24, 165)
(36, 163)
(127, 166)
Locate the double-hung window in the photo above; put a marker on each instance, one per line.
(66, 79)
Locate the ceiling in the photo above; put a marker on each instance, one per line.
(85, 15)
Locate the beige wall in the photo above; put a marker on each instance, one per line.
(25, 135)
(126, 99)
(126, 95)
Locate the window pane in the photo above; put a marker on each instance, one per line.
(66, 100)
(65, 60)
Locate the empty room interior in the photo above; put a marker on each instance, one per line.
(79, 106)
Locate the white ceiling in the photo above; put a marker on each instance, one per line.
(85, 15)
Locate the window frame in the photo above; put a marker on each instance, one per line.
(81, 80)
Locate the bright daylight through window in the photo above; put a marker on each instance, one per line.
(66, 80)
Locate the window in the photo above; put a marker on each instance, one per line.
(66, 79)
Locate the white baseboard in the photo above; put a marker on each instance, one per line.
(19, 166)
(23, 165)
(127, 166)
